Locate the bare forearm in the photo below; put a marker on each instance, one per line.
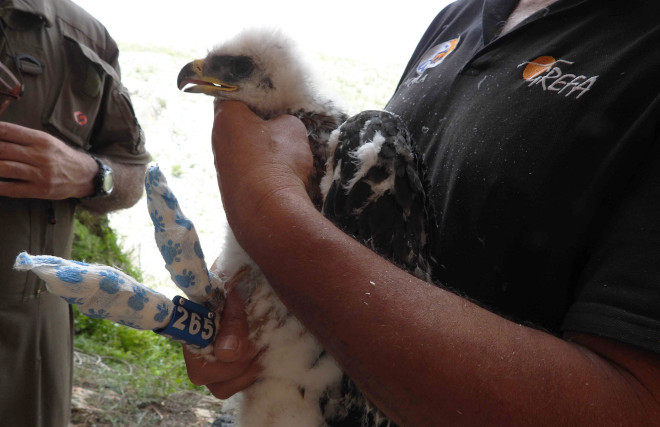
(422, 354)
(407, 343)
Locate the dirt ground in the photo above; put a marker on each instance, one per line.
(179, 409)
(100, 398)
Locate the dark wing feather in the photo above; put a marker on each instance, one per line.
(377, 194)
(319, 127)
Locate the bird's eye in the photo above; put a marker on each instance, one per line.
(242, 67)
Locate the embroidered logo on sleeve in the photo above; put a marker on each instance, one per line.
(80, 118)
(434, 57)
(548, 73)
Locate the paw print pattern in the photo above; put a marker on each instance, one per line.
(102, 292)
(170, 200)
(111, 282)
(183, 221)
(138, 299)
(23, 259)
(185, 280)
(151, 180)
(94, 314)
(171, 252)
(70, 274)
(197, 247)
(177, 239)
(157, 220)
(163, 312)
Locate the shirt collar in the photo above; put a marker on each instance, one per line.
(495, 13)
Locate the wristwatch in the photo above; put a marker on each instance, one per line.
(104, 181)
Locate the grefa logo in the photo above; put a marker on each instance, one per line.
(432, 58)
(546, 72)
(436, 55)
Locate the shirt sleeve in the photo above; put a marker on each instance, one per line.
(118, 134)
(620, 293)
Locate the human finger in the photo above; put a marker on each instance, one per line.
(232, 340)
(226, 389)
(17, 134)
(203, 372)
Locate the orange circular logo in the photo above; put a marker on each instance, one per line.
(538, 66)
(80, 117)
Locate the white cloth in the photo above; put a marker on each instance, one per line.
(104, 292)
(179, 245)
(100, 292)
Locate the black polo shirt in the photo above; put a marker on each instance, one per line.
(544, 163)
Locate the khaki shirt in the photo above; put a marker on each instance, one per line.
(74, 92)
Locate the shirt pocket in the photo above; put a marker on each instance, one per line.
(81, 94)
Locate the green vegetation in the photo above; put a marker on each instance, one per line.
(95, 241)
(177, 171)
(157, 362)
(123, 376)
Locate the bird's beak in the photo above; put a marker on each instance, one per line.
(192, 79)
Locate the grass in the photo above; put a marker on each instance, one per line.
(129, 369)
(160, 359)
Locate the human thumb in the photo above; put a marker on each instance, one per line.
(232, 343)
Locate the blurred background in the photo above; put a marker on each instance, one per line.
(369, 30)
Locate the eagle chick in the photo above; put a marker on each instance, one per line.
(376, 197)
(264, 69)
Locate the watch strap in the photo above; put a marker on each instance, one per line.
(99, 180)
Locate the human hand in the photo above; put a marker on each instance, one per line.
(35, 164)
(236, 366)
(258, 161)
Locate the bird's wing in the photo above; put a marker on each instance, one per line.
(319, 127)
(374, 189)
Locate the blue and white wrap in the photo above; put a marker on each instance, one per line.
(105, 292)
(100, 291)
(179, 245)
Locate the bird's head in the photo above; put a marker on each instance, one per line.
(261, 68)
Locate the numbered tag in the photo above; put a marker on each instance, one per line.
(190, 323)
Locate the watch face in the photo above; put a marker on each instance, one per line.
(104, 181)
(108, 182)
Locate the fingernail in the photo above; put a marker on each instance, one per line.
(229, 343)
